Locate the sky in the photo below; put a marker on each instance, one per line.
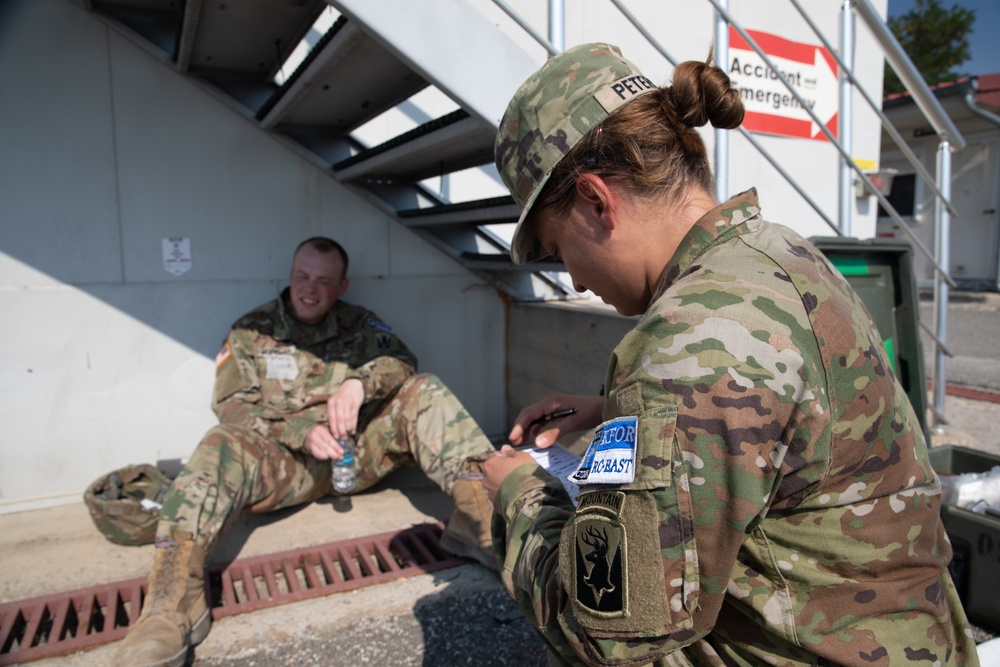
(984, 44)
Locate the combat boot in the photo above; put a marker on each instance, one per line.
(175, 615)
(468, 531)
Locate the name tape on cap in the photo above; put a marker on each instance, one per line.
(623, 90)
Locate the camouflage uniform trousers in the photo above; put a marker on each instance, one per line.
(235, 468)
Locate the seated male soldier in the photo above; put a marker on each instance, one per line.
(294, 378)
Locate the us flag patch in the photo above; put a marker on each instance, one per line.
(223, 354)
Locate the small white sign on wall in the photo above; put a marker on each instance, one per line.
(177, 255)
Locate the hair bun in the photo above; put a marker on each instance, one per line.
(703, 93)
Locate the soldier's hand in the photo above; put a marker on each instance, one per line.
(343, 407)
(499, 465)
(321, 444)
(544, 434)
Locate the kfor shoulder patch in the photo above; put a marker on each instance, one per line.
(610, 459)
(600, 552)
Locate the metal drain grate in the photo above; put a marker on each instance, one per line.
(60, 624)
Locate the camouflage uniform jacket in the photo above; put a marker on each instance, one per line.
(783, 510)
(274, 374)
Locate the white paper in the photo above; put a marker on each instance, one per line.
(177, 255)
(561, 463)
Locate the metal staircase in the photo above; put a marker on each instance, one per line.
(351, 76)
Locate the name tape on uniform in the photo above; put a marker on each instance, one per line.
(610, 459)
(281, 367)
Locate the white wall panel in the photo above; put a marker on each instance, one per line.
(58, 212)
(92, 381)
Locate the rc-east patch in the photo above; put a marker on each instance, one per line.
(610, 459)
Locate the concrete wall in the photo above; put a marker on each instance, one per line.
(106, 358)
(560, 348)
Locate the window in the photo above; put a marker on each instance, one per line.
(902, 196)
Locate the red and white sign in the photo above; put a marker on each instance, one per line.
(770, 107)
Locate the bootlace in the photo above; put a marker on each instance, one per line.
(167, 583)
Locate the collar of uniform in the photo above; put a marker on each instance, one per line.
(287, 327)
(731, 218)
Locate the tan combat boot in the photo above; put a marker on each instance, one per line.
(175, 615)
(468, 531)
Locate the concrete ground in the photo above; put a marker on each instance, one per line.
(457, 616)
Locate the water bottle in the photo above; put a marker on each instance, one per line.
(344, 476)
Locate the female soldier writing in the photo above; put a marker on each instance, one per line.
(758, 489)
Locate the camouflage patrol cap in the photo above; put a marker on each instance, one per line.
(549, 114)
(125, 503)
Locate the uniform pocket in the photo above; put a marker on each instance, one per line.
(656, 429)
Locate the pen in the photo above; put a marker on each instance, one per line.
(558, 414)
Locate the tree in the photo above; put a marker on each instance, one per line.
(935, 38)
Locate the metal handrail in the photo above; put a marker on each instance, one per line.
(897, 139)
(887, 125)
(950, 140)
(518, 19)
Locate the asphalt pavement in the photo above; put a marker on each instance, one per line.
(973, 338)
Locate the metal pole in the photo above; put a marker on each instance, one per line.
(557, 24)
(923, 172)
(846, 119)
(910, 76)
(722, 136)
(942, 220)
(526, 27)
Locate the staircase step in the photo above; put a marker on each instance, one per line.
(450, 143)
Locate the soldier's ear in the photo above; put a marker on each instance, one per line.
(344, 284)
(598, 199)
